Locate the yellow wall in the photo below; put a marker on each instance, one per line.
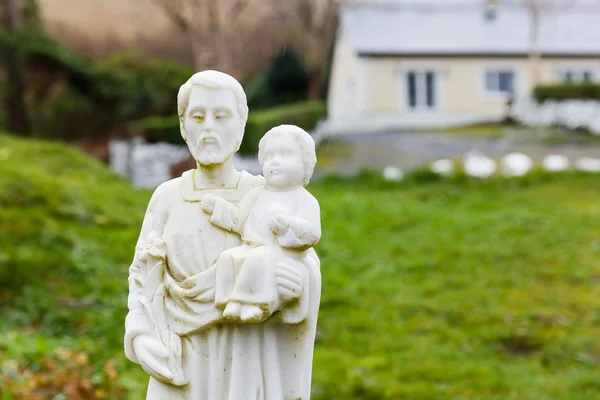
(343, 84)
(461, 81)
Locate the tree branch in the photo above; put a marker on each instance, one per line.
(234, 12)
(175, 10)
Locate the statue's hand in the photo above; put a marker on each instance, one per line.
(278, 224)
(289, 280)
(153, 357)
(190, 289)
(208, 203)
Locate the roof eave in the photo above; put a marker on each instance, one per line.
(474, 54)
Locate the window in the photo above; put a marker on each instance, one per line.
(421, 89)
(576, 75)
(430, 84)
(412, 89)
(490, 13)
(499, 81)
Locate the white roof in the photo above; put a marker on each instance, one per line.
(377, 30)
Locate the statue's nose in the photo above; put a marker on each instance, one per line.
(209, 124)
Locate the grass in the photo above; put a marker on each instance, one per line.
(67, 230)
(489, 130)
(547, 135)
(461, 291)
(432, 288)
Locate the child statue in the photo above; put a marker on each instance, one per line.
(277, 221)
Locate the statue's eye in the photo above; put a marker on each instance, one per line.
(199, 118)
(222, 117)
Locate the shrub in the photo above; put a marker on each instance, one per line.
(141, 88)
(306, 115)
(69, 96)
(160, 129)
(285, 81)
(567, 91)
(71, 115)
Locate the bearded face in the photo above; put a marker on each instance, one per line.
(212, 125)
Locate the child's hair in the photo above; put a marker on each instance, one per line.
(302, 138)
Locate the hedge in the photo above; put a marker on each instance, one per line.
(306, 115)
(73, 96)
(285, 81)
(159, 129)
(567, 91)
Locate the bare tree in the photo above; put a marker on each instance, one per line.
(312, 26)
(224, 34)
(14, 101)
(536, 8)
(11, 14)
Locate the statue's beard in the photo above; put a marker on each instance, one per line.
(212, 153)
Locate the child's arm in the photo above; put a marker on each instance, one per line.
(303, 231)
(222, 213)
(227, 216)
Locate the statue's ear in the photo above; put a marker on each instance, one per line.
(240, 137)
(182, 129)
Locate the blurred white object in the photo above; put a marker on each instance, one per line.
(442, 167)
(393, 173)
(595, 125)
(588, 164)
(516, 164)
(571, 114)
(145, 164)
(478, 165)
(555, 162)
(246, 163)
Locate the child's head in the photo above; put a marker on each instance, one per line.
(287, 156)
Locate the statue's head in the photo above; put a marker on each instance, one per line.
(287, 156)
(213, 111)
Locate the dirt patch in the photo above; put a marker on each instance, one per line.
(521, 344)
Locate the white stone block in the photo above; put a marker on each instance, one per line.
(516, 164)
(555, 162)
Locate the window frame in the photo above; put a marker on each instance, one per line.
(497, 92)
(577, 75)
(421, 92)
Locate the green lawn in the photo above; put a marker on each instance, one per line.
(544, 135)
(490, 130)
(432, 289)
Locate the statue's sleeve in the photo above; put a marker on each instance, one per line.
(299, 310)
(226, 216)
(305, 227)
(154, 220)
(232, 218)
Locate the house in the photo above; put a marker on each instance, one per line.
(402, 66)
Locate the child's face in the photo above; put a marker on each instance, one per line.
(283, 165)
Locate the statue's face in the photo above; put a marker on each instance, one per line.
(283, 164)
(213, 125)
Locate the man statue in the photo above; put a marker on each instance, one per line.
(173, 328)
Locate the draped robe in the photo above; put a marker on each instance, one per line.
(271, 360)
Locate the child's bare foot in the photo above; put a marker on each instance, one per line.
(232, 311)
(251, 313)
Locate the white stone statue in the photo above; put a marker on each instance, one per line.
(556, 162)
(444, 166)
(516, 164)
(478, 165)
(225, 285)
